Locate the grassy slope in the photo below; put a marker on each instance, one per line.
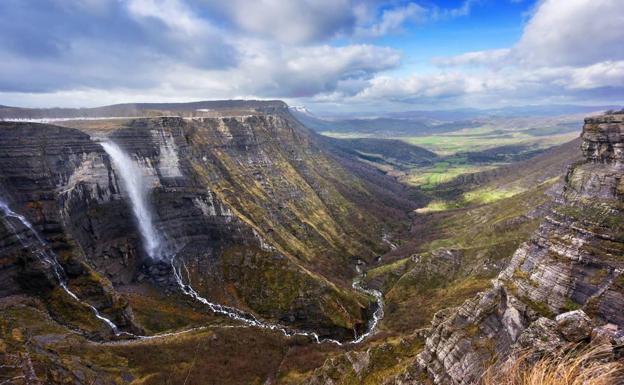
(215, 355)
(465, 238)
(453, 255)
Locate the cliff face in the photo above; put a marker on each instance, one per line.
(263, 219)
(558, 286)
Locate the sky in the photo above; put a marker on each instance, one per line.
(328, 55)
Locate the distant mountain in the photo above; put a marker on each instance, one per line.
(417, 123)
(383, 126)
(140, 109)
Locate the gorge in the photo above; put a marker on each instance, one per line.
(134, 184)
(245, 248)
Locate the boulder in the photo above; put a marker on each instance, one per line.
(541, 336)
(574, 325)
(607, 334)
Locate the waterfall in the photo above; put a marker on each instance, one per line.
(136, 187)
(50, 259)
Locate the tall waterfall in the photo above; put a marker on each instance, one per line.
(49, 258)
(135, 185)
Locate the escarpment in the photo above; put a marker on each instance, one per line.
(564, 285)
(34, 163)
(261, 218)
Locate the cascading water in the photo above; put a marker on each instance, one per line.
(50, 259)
(236, 314)
(135, 185)
(377, 314)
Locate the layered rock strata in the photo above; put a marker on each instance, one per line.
(562, 286)
(263, 219)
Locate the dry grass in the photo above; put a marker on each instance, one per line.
(587, 366)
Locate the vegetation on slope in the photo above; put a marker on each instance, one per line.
(583, 366)
(454, 254)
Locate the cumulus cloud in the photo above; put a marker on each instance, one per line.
(573, 32)
(293, 21)
(274, 70)
(317, 50)
(569, 48)
(559, 33)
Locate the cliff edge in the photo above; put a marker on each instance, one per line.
(565, 285)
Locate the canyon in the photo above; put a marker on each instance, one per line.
(226, 243)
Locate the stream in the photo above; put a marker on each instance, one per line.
(135, 187)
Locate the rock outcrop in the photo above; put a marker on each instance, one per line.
(570, 269)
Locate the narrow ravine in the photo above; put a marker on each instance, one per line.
(49, 258)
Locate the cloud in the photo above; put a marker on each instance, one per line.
(292, 22)
(315, 50)
(489, 57)
(391, 20)
(568, 48)
(275, 70)
(101, 44)
(559, 33)
(573, 32)
(438, 13)
(529, 85)
(132, 46)
(172, 13)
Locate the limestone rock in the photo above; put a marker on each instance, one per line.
(571, 269)
(542, 336)
(574, 325)
(607, 334)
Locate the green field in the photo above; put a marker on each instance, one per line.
(475, 197)
(482, 138)
(428, 178)
(453, 146)
(474, 139)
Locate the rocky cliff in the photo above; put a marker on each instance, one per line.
(564, 285)
(263, 219)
